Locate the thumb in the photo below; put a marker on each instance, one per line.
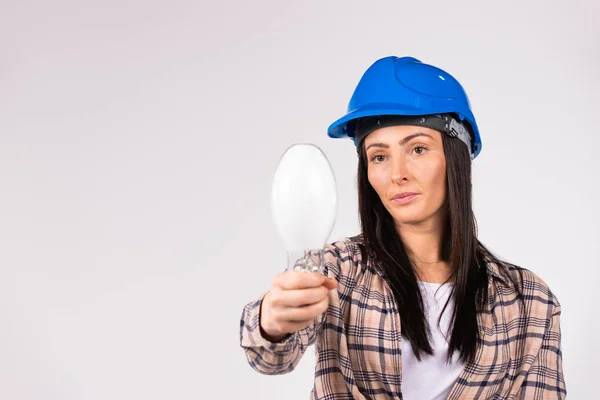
(330, 283)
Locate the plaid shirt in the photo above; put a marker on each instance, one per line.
(358, 340)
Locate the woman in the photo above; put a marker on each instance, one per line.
(414, 307)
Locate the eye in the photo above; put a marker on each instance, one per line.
(419, 149)
(377, 158)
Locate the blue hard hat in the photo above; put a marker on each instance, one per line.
(406, 86)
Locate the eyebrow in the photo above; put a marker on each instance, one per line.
(402, 142)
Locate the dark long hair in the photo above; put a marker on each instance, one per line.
(460, 248)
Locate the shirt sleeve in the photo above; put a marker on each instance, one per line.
(545, 379)
(281, 357)
(273, 358)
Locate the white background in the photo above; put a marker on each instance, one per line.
(138, 140)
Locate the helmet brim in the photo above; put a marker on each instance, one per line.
(338, 128)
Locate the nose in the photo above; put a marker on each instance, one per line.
(400, 171)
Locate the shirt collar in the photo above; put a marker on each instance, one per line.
(493, 268)
(495, 271)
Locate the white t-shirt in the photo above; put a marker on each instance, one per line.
(431, 378)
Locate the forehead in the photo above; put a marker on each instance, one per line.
(399, 132)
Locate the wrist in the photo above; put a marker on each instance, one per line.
(264, 331)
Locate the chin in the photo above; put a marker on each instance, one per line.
(408, 220)
(412, 217)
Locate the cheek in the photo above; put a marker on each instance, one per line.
(437, 181)
(431, 176)
(378, 178)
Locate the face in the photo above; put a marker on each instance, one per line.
(407, 168)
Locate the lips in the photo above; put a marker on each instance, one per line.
(402, 195)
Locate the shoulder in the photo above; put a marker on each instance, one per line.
(345, 248)
(343, 257)
(536, 294)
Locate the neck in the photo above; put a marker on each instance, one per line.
(424, 245)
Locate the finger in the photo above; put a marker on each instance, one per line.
(295, 326)
(298, 280)
(300, 297)
(306, 312)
